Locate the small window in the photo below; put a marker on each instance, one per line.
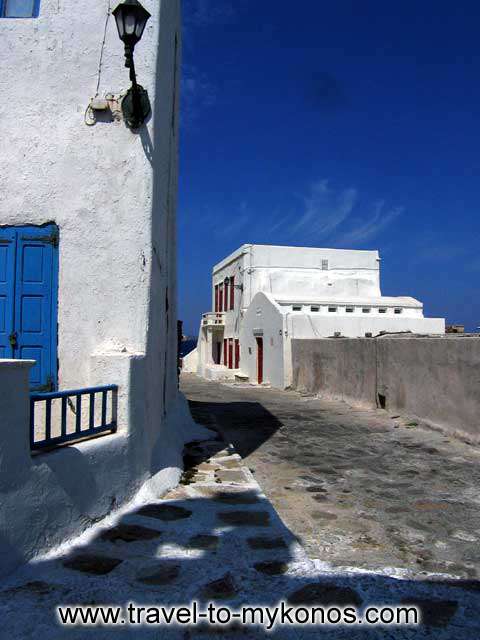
(366, 310)
(314, 309)
(324, 265)
(349, 309)
(398, 311)
(297, 307)
(332, 309)
(382, 310)
(19, 8)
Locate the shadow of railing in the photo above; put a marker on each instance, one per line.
(210, 542)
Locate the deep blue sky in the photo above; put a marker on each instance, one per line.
(334, 124)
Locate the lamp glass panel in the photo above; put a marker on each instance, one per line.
(120, 26)
(130, 23)
(19, 8)
(141, 26)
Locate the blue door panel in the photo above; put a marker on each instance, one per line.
(32, 261)
(7, 289)
(32, 312)
(28, 300)
(38, 377)
(34, 306)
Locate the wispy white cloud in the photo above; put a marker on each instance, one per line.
(197, 93)
(325, 209)
(337, 216)
(366, 228)
(277, 223)
(202, 13)
(239, 221)
(334, 217)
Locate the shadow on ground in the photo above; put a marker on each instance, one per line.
(216, 538)
(247, 425)
(363, 488)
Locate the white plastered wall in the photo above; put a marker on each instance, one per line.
(263, 319)
(112, 194)
(298, 271)
(280, 326)
(110, 191)
(233, 266)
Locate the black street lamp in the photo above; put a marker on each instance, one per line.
(131, 19)
(235, 286)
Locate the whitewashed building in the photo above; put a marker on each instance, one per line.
(264, 296)
(87, 269)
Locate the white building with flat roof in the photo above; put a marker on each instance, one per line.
(263, 296)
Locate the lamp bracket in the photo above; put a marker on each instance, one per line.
(136, 109)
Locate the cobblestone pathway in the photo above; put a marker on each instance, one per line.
(216, 537)
(360, 488)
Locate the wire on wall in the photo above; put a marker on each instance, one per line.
(89, 117)
(100, 61)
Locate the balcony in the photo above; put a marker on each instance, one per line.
(213, 319)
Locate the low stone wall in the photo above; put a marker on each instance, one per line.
(435, 379)
(336, 368)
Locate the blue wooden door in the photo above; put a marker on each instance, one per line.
(7, 290)
(34, 274)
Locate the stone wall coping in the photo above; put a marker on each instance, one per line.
(10, 362)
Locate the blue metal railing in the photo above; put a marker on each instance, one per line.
(80, 432)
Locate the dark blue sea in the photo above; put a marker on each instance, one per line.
(187, 346)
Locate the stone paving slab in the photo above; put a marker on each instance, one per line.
(249, 557)
(361, 488)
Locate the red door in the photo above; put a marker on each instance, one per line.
(230, 353)
(225, 349)
(259, 360)
(237, 354)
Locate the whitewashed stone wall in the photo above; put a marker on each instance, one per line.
(112, 194)
(429, 379)
(279, 325)
(110, 191)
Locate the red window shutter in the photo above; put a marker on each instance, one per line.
(230, 353)
(220, 299)
(225, 352)
(216, 298)
(232, 293)
(237, 354)
(225, 296)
